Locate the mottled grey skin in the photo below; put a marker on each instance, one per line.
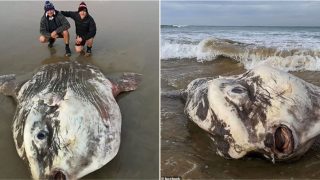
(264, 111)
(67, 122)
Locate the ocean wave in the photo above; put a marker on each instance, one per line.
(249, 55)
(173, 26)
(170, 50)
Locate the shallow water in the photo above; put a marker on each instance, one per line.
(126, 41)
(188, 152)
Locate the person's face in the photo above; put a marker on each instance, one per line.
(83, 14)
(50, 13)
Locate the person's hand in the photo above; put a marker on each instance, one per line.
(54, 34)
(78, 40)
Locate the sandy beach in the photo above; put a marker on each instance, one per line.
(126, 41)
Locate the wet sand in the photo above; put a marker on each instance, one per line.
(187, 151)
(126, 41)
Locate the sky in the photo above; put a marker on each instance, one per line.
(241, 13)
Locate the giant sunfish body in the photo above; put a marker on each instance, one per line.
(67, 121)
(264, 111)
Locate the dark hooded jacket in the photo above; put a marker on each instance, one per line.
(85, 28)
(60, 24)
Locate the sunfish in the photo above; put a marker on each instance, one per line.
(67, 122)
(262, 111)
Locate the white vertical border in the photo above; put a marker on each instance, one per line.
(159, 36)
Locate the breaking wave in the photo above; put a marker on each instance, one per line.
(249, 55)
(178, 50)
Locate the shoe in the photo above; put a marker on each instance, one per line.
(51, 41)
(82, 52)
(68, 52)
(88, 53)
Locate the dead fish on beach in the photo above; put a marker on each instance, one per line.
(67, 121)
(263, 111)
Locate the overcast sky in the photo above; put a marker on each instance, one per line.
(241, 13)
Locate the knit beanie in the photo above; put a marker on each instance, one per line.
(82, 7)
(48, 6)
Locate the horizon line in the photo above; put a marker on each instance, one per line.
(241, 25)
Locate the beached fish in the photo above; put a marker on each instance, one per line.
(264, 111)
(67, 121)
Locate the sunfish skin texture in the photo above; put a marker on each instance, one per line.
(67, 122)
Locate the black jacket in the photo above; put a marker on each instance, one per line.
(61, 23)
(85, 28)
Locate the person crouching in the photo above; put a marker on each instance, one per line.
(85, 28)
(54, 25)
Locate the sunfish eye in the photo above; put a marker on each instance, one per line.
(41, 135)
(238, 90)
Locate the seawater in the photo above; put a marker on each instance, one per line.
(287, 48)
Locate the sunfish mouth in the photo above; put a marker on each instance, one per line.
(283, 140)
(57, 175)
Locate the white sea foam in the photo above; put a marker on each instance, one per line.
(251, 55)
(175, 50)
(179, 25)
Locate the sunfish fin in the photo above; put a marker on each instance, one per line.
(175, 94)
(8, 84)
(127, 82)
